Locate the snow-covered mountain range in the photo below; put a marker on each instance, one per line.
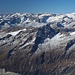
(25, 20)
(38, 44)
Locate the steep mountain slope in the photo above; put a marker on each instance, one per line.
(38, 44)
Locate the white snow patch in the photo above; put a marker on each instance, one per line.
(66, 19)
(42, 15)
(31, 42)
(70, 25)
(16, 32)
(72, 33)
(28, 20)
(55, 18)
(35, 24)
(72, 15)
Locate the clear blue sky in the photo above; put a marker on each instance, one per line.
(37, 6)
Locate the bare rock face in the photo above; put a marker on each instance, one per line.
(43, 45)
